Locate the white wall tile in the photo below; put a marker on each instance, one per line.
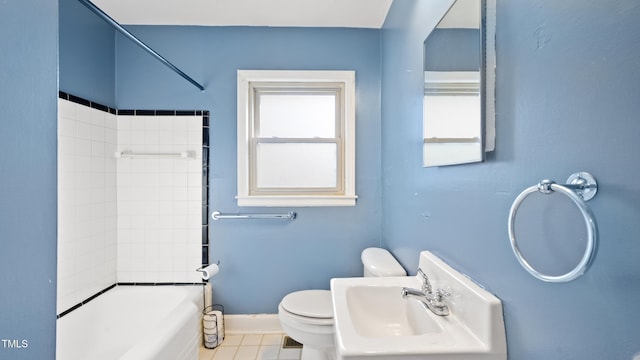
(97, 165)
(194, 123)
(83, 146)
(97, 180)
(137, 137)
(66, 145)
(123, 137)
(97, 149)
(110, 121)
(195, 193)
(180, 193)
(151, 123)
(165, 123)
(111, 137)
(195, 179)
(66, 109)
(97, 117)
(152, 139)
(67, 127)
(124, 122)
(180, 208)
(180, 179)
(181, 123)
(137, 123)
(180, 166)
(194, 167)
(97, 132)
(180, 137)
(83, 113)
(165, 137)
(83, 130)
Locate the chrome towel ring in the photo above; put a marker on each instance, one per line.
(580, 188)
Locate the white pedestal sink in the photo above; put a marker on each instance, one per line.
(372, 320)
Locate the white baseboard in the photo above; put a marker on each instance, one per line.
(252, 324)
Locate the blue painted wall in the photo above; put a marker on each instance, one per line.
(87, 54)
(567, 100)
(263, 260)
(452, 50)
(28, 105)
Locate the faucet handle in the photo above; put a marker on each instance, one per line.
(426, 285)
(441, 294)
(421, 273)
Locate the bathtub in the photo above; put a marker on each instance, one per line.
(134, 323)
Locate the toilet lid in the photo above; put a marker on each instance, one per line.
(309, 303)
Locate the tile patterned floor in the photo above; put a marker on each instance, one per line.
(250, 347)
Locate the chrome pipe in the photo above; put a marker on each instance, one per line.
(96, 10)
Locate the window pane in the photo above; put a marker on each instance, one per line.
(297, 116)
(296, 165)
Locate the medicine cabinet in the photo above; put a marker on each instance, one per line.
(459, 83)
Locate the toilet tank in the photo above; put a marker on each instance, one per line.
(379, 262)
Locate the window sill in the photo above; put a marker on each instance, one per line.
(297, 200)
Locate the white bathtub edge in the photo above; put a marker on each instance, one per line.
(252, 324)
(164, 342)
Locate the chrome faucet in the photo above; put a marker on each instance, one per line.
(430, 300)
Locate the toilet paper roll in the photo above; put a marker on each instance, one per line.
(209, 271)
(220, 323)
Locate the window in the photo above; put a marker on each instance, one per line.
(296, 138)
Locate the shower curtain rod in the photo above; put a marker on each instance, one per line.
(131, 37)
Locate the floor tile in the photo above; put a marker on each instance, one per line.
(225, 353)
(206, 354)
(268, 352)
(272, 339)
(289, 354)
(251, 339)
(232, 340)
(246, 353)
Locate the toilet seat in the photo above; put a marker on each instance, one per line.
(310, 306)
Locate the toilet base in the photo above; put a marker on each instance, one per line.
(311, 353)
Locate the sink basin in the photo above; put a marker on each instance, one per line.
(373, 320)
(395, 316)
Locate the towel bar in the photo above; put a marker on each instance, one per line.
(581, 187)
(216, 215)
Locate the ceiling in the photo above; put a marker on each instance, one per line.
(295, 13)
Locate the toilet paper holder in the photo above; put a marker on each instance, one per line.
(208, 271)
(201, 268)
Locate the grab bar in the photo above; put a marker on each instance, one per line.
(96, 10)
(132, 155)
(581, 187)
(437, 140)
(216, 215)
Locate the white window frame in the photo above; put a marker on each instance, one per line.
(303, 81)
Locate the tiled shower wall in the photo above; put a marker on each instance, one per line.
(87, 218)
(159, 200)
(128, 220)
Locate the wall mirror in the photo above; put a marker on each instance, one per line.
(459, 83)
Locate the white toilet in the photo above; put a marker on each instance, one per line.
(307, 316)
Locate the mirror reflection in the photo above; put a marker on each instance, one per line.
(454, 87)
